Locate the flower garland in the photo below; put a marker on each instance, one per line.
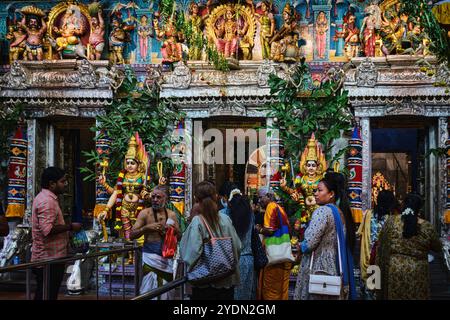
(407, 211)
(119, 199)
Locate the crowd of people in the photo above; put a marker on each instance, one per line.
(257, 243)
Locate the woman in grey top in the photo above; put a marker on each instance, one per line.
(321, 238)
(196, 235)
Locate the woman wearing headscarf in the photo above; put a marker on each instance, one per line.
(243, 221)
(402, 253)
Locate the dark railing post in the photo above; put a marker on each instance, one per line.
(123, 275)
(183, 274)
(96, 270)
(46, 282)
(110, 276)
(28, 272)
(137, 268)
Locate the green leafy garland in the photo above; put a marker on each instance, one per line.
(301, 110)
(199, 41)
(439, 41)
(439, 45)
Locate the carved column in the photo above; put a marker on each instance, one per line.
(442, 166)
(31, 168)
(50, 145)
(366, 137)
(431, 185)
(188, 139)
(269, 124)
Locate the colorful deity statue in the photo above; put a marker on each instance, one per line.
(370, 24)
(284, 44)
(228, 32)
(267, 28)
(144, 33)
(196, 21)
(171, 49)
(312, 167)
(321, 28)
(351, 36)
(130, 191)
(35, 27)
(118, 39)
(97, 35)
(17, 43)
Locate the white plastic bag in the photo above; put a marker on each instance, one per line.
(74, 281)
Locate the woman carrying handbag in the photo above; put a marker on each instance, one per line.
(211, 232)
(326, 270)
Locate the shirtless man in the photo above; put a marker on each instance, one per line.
(97, 36)
(35, 35)
(153, 223)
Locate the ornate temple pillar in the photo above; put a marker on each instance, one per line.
(431, 181)
(269, 124)
(31, 169)
(50, 145)
(443, 136)
(340, 42)
(366, 137)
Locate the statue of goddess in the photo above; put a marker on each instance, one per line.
(130, 191)
(312, 167)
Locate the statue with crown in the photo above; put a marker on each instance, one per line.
(130, 191)
(312, 168)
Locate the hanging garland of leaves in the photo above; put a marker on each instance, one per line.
(195, 40)
(135, 110)
(439, 45)
(302, 110)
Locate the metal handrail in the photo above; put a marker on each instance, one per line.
(64, 259)
(47, 262)
(161, 290)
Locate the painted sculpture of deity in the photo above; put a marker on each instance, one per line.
(17, 43)
(35, 27)
(228, 31)
(171, 49)
(312, 167)
(267, 28)
(321, 28)
(370, 24)
(144, 34)
(196, 21)
(72, 27)
(130, 191)
(351, 36)
(97, 36)
(118, 39)
(284, 44)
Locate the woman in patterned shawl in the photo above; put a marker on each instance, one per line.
(320, 238)
(402, 253)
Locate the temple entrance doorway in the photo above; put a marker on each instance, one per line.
(402, 160)
(62, 141)
(241, 165)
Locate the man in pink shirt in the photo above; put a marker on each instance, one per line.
(50, 232)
